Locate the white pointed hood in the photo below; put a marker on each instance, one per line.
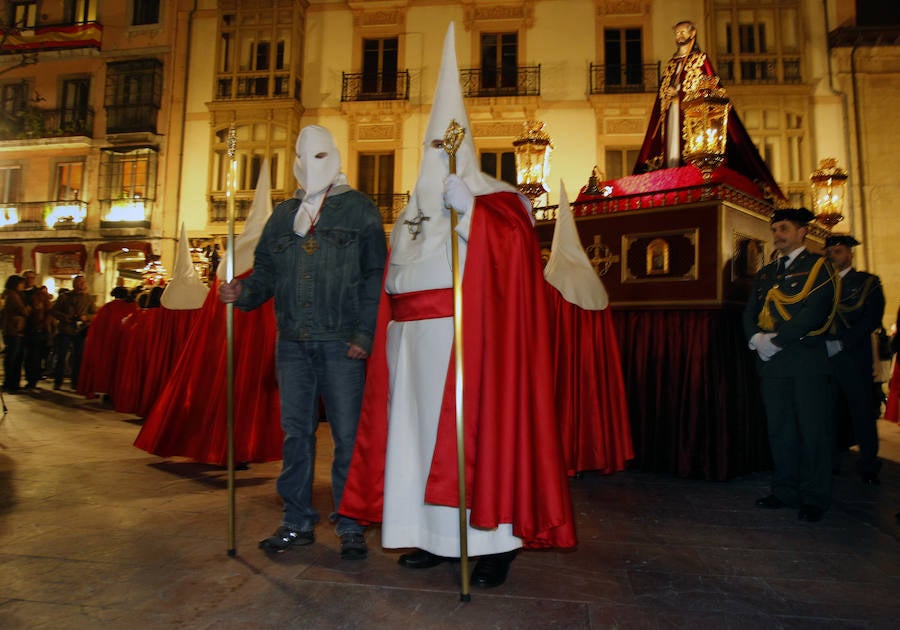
(569, 269)
(185, 291)
(260, 211)
(427, 196)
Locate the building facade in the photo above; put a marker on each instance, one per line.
(116, 114)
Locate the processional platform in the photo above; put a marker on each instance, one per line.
(677, 255)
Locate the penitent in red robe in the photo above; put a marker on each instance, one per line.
(515, 472)
(188, 417)
(102, 348)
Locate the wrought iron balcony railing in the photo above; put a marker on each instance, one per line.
(256, 85)
(618, 79)
(61, 214)
(218, 206)
(759, 69)
(375, 86)
(505, 81)
(52, 37)
(33, 122)
(390, 205)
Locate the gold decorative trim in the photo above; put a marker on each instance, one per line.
(657, 257)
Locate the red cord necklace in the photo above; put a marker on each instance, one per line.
(312, 245)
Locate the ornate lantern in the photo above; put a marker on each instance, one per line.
(532, 159)
(828, 183)
(705, 127)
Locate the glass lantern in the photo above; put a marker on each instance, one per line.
(828, 184)
(532, 150)
(705, 128)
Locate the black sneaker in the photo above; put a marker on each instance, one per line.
(353, 546)
(285, 537)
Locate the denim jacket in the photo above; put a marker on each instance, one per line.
(331, 294)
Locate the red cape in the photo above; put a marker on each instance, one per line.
(188, 419)
(591, 402)
(515, 471)
(98, 363)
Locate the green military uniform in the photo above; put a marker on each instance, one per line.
(797, 304)
(858, 315)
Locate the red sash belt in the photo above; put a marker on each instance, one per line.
(415, 305)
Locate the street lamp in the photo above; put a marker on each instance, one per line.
(705, 129)
(828, 184)
(532, 150)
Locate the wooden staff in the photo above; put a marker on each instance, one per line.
(452, 140)
(230, 189)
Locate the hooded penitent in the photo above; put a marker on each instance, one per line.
(185, 291)
(317, 168)
(427, 197)
(245, 242)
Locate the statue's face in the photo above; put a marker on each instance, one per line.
(684, 34)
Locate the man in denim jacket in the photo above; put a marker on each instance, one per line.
(321, 255)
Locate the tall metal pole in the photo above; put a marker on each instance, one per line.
(231, 188)
(452, 140)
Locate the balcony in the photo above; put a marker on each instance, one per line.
(622, 79)
(759, 69)
(246, 85)
(389, 205)
(43, 215)
(53, 37)
(33, 122)
(507, 81)
(381, 86)
(243, 201)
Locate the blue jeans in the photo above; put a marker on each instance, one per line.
(306, 371)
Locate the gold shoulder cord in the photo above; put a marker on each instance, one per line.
(841, 309)
(777, 298)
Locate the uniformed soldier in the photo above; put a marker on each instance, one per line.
(849, 344)
(790, 308)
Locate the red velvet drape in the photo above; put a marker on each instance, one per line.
(102, 348)
(693, 393)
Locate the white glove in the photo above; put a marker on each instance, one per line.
(833, 346)
(457, 195)
(762, 343)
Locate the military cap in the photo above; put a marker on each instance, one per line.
(841, 239)
(797, 215)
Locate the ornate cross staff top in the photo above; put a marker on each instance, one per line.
(452, 140)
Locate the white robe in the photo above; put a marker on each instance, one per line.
(418, 354)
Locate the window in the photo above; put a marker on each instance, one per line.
(256, 142)
(620, 162)
(23, 13)
(10, 184)
(145, 12)
(376, 179)
(13, 97)
(499, 61)
(623, 56)
(254, 56)
(757, 42)
(380, 65)
(74, 104)
(501, 165)
(79, 11)
(133, 92)
(127, 186)
(69, 178)
(779, 136)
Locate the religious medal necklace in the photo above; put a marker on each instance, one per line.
(311, 244)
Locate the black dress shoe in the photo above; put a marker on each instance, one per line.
(810, 513)
(420, 559)
(491, 571)
(770, 502)
(871, 478)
